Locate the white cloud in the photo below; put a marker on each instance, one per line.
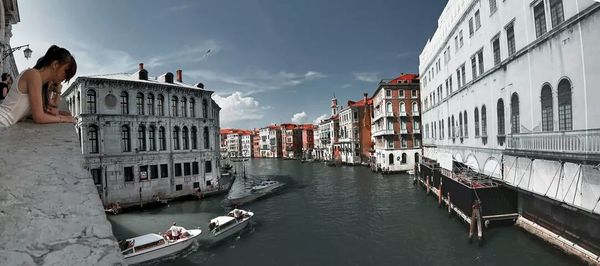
(258, 81)
(236, 107)
(299, 118)
(366, 76)
(318, 119)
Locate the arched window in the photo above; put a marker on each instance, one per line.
(192, 107)
(515, 123)
(174, 106)
(176, 138)
(124, 103)
(162, 139)
(206, 138)
(403, 158)
(416, 157)
(547, 109)
(402, 108)
(152, 138)
(150, 104)
(183, 106)
(500, 113)
(93, 138)
(91, 101)
(483, 122)
(204, 108)
(391, 159)
(460, 124)
(161, 105)
(415, 108)
(141, 138)
(476, 114)
(140, 103)
(194, 138)
(466, 123)
(186, 138)
(125, 139)
(388, 108)
(565, 116)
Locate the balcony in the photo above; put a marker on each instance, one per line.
(388, 114)
(575, 145)
(402, 113)
(403, 131)
(416, 113)
(383, 132)
(416, 131)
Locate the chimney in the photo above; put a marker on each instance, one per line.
(366, 96)
(179, 75)
(141, 66)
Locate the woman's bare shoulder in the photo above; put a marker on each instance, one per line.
(31, 73)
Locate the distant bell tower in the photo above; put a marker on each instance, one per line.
(334, 105)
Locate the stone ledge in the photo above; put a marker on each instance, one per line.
(50, 211)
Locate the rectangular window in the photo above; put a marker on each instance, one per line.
(450, 83)
(480, 59)
(458, 77)
(143, 172)
(474, 66)
(477, 20)
(471, 29)
(195, 168)
(539, 15)
(496, 49)
(178, 187)
(187, 169)
(153, 171)
(510, 39)
(164, 171)
(493, 6)
(177, 169)
(208, 167)
(463, 74)
(196, 185)
(97, 176)
(128, 173)
(556, 12)
(460, 38)
(456, 43)
(449, 56)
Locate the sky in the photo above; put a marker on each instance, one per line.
(268, 61)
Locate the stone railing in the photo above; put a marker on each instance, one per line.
(50, 210)
(383, 132)
(575, 142)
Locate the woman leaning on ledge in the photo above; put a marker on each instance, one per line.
(26, 96)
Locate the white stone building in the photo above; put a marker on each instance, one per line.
(9, 15)
(234, 145)
(247, 144)
(509, 90)
(142, 137)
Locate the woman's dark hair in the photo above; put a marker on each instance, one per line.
(63, 56)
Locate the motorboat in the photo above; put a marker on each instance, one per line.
(267, 186)
(153, 246)
(222, 227)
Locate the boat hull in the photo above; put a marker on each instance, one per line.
(164, 250)
(231, 231)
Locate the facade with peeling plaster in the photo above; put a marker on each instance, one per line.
(146, 138)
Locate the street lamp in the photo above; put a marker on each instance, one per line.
(27, 52)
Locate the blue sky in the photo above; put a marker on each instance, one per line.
(271, 61)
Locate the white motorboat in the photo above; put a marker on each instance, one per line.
(225, 226)
(153, 246)
(267, 186)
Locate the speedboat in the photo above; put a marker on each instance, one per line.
(222, 227)
(267, 186)
(153, 246)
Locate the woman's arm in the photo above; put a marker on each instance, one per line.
(32, 81)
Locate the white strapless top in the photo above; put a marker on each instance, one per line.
(15, 106)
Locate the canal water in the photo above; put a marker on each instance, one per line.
(338, 216)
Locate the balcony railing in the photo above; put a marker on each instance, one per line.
(574, 142)
(382, 132)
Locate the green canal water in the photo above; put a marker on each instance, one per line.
(337, 216)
